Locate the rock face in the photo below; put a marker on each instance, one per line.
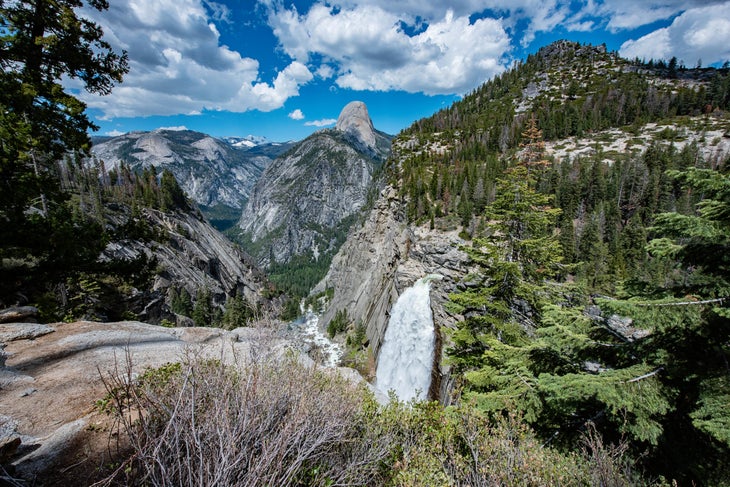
(383, 258)
(354, 120)
(305, 200)
(52, 433)
(211, 171)
(49, 427)
(192, 255)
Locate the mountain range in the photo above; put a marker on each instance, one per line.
(218, 174)
(306, 199)
(572, 212)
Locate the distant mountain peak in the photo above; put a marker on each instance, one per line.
(246, 142)
(355, 120)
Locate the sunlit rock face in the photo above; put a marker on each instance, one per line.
(355, 120)
(306, 199)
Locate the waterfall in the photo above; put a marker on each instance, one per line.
(406, 356)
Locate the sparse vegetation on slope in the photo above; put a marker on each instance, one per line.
(274, 421)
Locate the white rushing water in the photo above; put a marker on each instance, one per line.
(406, 356)
(310, 333)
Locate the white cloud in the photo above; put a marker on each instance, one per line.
(325, 71)
(219, 11)
(321, 123)
(454, 46)
(178, 65)
(115, 133)
(296, 115)
(539, 15)
(177, 128)
(365, 48)
(581, 26)
(630, 14)
(699, 33)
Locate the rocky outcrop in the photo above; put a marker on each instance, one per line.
(19, 313)
(306, 199)
(355, 122)
(189, 254)
(54, 426)
(363, 272)
(383, 258)
(49, 427)
(9, 332)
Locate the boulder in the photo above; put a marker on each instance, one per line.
(23, 331)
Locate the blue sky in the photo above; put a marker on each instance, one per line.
(285, 68)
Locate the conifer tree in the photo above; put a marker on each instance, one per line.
(44, 41)
(517, 257)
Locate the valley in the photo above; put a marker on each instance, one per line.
(545, 259)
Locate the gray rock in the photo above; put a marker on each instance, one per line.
(307, 197)
(45, 456)
(23, 331)
(209, 170)
(196, 256)
(66, 367)
(9, 439)
(355, 121)
(384, 257)
(19, 314)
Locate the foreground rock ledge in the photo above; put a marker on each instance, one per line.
(49, 427)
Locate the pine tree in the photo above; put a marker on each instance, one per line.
(172, 196)
(205, 313)
(502, 305)
(44, 41)
(533, 145)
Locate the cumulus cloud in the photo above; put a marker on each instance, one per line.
(451, 47)
(365, 48)
(697, 34)
(178, 65)
(321, 123)
(630, 14)
(115, 133)
(296, 115)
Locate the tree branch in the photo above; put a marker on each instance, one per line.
(683, 303)
(645, 376)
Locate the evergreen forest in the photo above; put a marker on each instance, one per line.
(601, 295)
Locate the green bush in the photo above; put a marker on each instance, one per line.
(338, 324)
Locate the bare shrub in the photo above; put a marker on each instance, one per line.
(268, 422)
(609, 465)
(267, 419)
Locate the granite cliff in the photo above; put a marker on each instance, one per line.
(218, 174)
(189, 254)
(384, 257)
(306, 199)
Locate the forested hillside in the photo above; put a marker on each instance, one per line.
(602, 292)
(132, 246)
